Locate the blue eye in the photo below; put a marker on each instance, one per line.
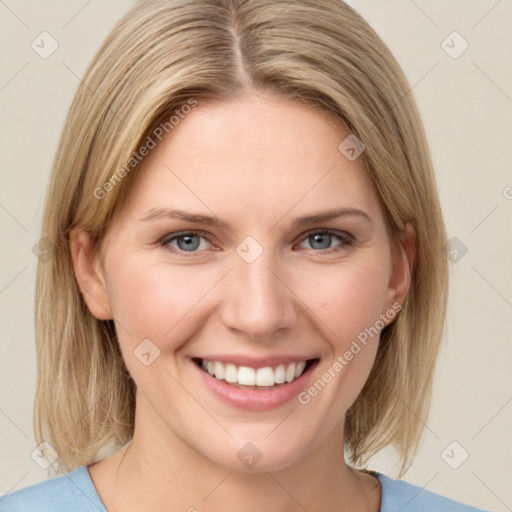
(187, 241)
(322, 240)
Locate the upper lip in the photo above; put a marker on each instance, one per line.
(255, 362)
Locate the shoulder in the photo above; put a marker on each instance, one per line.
(68, 493)
(406, 497)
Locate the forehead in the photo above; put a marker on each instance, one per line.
(264, 152)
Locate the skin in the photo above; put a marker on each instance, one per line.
(256, 162)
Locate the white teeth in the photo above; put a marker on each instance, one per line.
(264, 376)
(247, 376)
(219, 370)
(280, 374)
(290, 372)
(231, 374)
(299, 368)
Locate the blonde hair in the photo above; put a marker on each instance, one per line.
(159, 57)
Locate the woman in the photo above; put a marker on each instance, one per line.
(249, 272)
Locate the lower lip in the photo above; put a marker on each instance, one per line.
(255, 400)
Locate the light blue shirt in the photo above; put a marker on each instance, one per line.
(75, 492)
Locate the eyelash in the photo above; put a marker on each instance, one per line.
(346, 239)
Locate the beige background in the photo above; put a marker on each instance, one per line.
(466, 103)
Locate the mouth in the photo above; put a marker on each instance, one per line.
(255, 387)
(246, 377)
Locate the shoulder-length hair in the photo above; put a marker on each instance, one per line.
(162, 56)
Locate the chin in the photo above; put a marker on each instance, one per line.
(256, 454)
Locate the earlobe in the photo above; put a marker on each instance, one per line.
(89, 275)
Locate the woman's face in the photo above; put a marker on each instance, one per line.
(244, 283)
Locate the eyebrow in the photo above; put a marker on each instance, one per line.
(157, 213)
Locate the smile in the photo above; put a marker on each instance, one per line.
(265, 377)
(251, 383)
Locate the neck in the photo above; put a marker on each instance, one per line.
(157, 471)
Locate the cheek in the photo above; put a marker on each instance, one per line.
(348, 298)
(156, 301)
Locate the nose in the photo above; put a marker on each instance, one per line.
(258, 304)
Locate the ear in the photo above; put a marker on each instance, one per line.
(403, 263)
(89, 274)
